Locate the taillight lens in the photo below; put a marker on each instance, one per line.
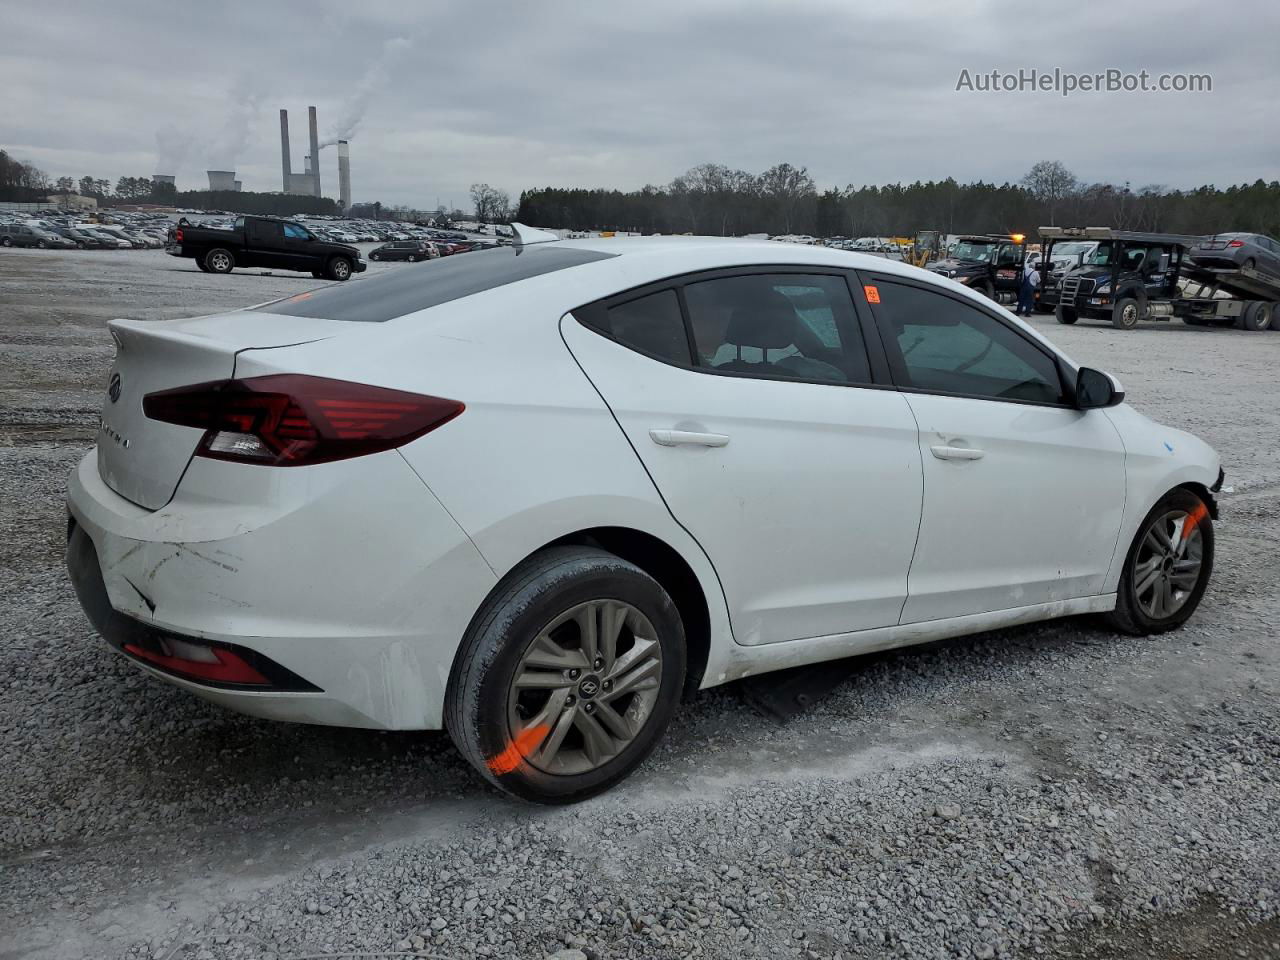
(177, 235)
(1236, 243)
(290, 420)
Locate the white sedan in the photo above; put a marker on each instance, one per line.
(536, 494)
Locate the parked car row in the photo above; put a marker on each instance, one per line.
(66, 233)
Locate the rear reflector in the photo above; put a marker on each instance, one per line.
(210, 664)
(290, 420)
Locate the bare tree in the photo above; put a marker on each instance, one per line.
(1050, 182)
(787, 187)
(490, 203)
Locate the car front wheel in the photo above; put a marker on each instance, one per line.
(568, 675)
(1167, 568)
(339, 269)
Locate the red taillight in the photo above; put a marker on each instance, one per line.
(177, 235)
(290, 420)
(1236, 243)
(203, 663)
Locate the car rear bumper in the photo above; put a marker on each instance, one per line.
(351, 606)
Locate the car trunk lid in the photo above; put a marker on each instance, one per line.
(141, 459)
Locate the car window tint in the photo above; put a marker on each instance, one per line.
(943, 344)
(294, 231)
(777, 325)
(652, 324)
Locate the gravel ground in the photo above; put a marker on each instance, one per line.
(1053, 790)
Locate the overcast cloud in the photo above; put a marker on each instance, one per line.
(438, 96)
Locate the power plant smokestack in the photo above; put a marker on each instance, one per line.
(344, 176)
(163, 178)
(285, 167)
(315, 150)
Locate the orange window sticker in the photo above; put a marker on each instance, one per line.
(872, 292)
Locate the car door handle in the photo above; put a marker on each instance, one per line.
(674, 438)
(943, 452)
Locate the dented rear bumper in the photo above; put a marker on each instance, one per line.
(303, 576)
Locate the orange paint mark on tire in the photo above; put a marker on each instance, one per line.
(1193, 520)
(525, 742)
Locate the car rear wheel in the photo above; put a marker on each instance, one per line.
(1126, 313)
(1066, 315)
(1168, 566)
(567, 677)
(6, 241)
(1249, 264)
(1275, 315)
(219, 260)
(42, 244)
(339, 269)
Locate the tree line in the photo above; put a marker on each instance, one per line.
(714, 199)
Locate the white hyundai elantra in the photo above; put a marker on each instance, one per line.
(533, 495)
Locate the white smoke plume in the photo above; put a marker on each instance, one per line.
(375, 78)
(172, 146)
(232, 139)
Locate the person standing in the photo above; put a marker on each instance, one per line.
(1027, 292)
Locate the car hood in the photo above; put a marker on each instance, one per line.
(960, 266)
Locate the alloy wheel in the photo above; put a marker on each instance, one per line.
(585, 687)
(1129, 315)
(1167, 564)
(220, 262)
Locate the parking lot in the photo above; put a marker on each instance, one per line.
(1054, 790)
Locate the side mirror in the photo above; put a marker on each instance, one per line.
(1095, 389)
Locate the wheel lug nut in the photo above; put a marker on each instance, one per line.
(589, 707)
(570, 700)
(574, 673)
(608, 684)
(598, 663)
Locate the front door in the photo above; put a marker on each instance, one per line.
(748, 398)
(1023, 492)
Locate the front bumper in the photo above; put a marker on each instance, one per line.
(351, 605)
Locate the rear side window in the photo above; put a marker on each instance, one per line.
(794, 326)
(651, 324)
(937, 343)
(395, 293)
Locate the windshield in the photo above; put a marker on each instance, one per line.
(974, 250)
(1100, 257)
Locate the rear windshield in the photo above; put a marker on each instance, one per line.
(398, 292)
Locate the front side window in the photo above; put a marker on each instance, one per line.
(794, 326)
(295, 232)
(938, 343)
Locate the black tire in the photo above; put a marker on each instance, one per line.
(339, 268)
(1275, 315)
(1066, 315)
(6, 241)
(543, 587)
(1249, 264)
(201, 264)
(1129, 615)
(42, 244)
(219, 260)
(985, 289)
(1043, 308)
(1126, 314)
(375, 256)
(1255, 316)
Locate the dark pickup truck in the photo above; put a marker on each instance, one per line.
(264, 242)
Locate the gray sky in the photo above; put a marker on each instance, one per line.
(621, 94)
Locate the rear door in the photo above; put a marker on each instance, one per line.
(770, 439)
(296, 248)
(1023, 492)
(264, 244)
